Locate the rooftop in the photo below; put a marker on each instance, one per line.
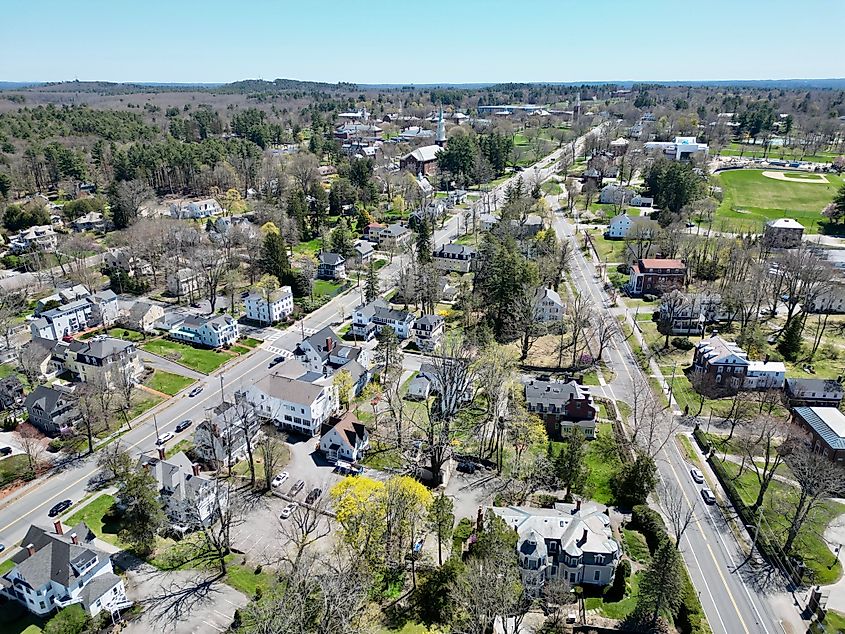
(785, 223)
(828, 422)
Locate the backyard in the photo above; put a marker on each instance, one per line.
(750, 199)
(167, 382)
(199, 359)
(96, 516)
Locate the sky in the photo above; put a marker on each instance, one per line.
(427, 41)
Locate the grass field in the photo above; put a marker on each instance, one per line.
(12, 468)
(324, 287)
(142, 402)
(779, 503)
(126, 334)
(618, 609)
(167, 382)
(748, 150)
(94, 516)
(750, 199)
(198, 359)
(834, 623)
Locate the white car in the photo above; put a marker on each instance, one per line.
(286, 512)
(164, 438)
(708, 496)
(280, 479)
(697, 476)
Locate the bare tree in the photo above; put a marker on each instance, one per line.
(306, 526)
(269, 450)
(32, 445)
(123, 379)
(675, 508)
(605, 331)
(579, 311)
(211, 265)
(11, 305)
(672, 306)
(215, 537)
(760, 441)
(94, 399)
(557, 597)
(303, 169)
(128, 198)
(31, 357)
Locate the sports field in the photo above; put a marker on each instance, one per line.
(750, 199)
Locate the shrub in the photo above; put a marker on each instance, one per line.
(10, 423)
(650, 524)
(616, 592)
(70, 620)
(545, 501)
(682, 343)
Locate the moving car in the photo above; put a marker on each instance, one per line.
(708, 496)
(313, 494)
(2, 547)
(286, 512)
(195, 392)
(276, 361)
(184, 425)
(5, 451)
(296, 488)
(164, 438)
(59, 507)
(279, 479)
(697, 476)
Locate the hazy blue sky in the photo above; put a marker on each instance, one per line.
(426, 41)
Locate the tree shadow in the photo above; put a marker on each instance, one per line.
(177, 599)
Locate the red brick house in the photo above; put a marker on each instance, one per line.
(656, 276)
(562, 405)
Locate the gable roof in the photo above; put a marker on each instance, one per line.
(44, 397)
(455, 249)
(555, 390)
(350, 430)
(288, 389)
(54, 555)
(814, 385)
(331, 259)
(424, 154)
(828, 422)
(318, 342)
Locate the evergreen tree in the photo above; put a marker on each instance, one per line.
(388, 357)
(142, 516)
(441, 519)
(790, 344)
(341, 239)
(424, 248)
(661, 586)
(318, 202)
(274, 257)
(569, 463)
(297, 208)
(371, 288)
(634, 481)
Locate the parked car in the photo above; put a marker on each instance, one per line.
(708, 496)
(184, 425)
(164, 438)
(279, 479)
(467, 467)
(2, 547)
(5, 451)
(313, 494)
(286, 512)
(59, 507)
(276, 361)
(697, 476)
(296, 488)
(195, 392)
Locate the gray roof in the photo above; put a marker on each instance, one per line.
(100, 347)
(139, 310)
(555, 390)
(44, 397)
(828, 422)
(429, 320)
(318, 341)
(332, 259)
(456, 250)
(423, 154)
(394, 230)
(292, 390)
(97, 587)
(54, 555)
(814, 385)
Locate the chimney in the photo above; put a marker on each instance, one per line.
(766, 360)
(584, 537)
(329, 344)
(75, 539)
(30, 548)
(57, 525)
(196, 469)
(577, 508)
(161, 453)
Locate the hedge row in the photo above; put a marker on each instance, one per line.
(690, 618)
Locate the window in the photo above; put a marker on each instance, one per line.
(599, 559)
(596, 575)
(571, 577)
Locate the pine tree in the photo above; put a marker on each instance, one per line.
(790, 343)
(423, 242)
(661, 586)
(274, 257)
(371, 288)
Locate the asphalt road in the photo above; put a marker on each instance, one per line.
(732, 602)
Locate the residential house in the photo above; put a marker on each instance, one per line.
(93, 221)
(103, 360)
(323, 354)
(814, 392)
(183, 282)
(826, 429)
(423, 160)
(487, 221)
(293, 404)
(369, 319)
(40, 237)
(697, 312)
(269, 309)
(143, 315)
(455, 257)
(393, 237)
(562, 405)
(427, 331)
(529, 227)
(419, 389)
(344, 439)
(656, 276)
(432, 212)
(196, 209)
(783, 233)
(573, 542)
(62, 567)
(591, 174)
(189, 498)
(619, 226)
(131, 265)
(371, 232)
(683, 148)
(364, 252)
(11, 393)
(721, 364)
(210, 331)
(764, 375)
(332, 266)
(548, 306)
(829, 299)
(53, 411)
(64, 296)
(221, 439)
(99, 309)
(614, 194)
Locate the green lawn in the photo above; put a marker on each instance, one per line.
(199, 359)
(601, 460)
(750, 199)
(636, 546)
(168, 382)
(749, 150)
(379, 264)
(250, 342)
(325, 287)
(143, 402)
(779, 502)
(551, 188)
(6, 566)
(619, 609)
(126, 333)
(245, 579)
(834, 623)
(311, 247)
(240, 349)
(381, 457)
(12, 468)
(94, 515)
(186, 444)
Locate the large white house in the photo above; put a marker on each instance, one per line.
(38, 237)
(102, 360)
(573, 542)
(221, 439)
(211, 331)
(269, 309)
(196, 209)
(548, 306)
(189, 498)
(99, 309)
(293, 404)
(62, 567)
(371, 318)
(347, 439)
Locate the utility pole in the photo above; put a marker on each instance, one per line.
(222, 398)
(155, 422)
